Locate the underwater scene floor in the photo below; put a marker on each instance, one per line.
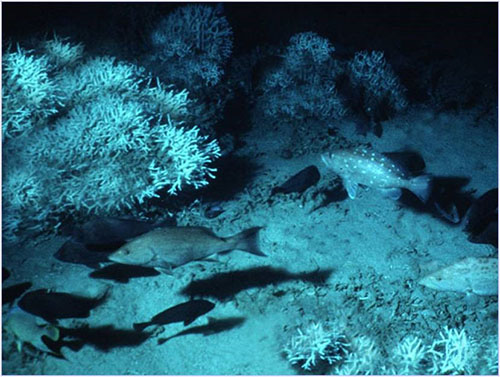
(339, 282)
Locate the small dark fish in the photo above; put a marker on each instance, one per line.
(488, 236)
(78, 253)
(299, 182)
(110, 231)
(214, 326)
(54, 305)
(481, 220)
(482, 211)
(5, 274)
(186, 312)
(213, 211)
(10, 294)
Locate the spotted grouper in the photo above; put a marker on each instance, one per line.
(364, 166)
(469, 275)
(169, 247)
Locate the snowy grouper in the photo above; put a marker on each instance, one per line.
(367, 167)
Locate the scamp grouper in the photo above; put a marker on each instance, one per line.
(166, 248)
(364, 166)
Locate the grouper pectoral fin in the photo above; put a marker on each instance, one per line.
(351, 187)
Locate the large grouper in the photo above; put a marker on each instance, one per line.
(170, 247)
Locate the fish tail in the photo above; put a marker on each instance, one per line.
(140, 326)
(248, 241)
(421, 186)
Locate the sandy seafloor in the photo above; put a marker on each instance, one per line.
(364, 257)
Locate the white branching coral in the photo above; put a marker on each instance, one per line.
(453, 353)
(313, 344)
(409, 354)
(371, 71)
(193, 43)
(362, 358)
(29, 94)
(116, 138)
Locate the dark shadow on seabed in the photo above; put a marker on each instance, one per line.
(223, 286)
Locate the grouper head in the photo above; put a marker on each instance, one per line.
(134, 252)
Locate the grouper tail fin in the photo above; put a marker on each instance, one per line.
(247, 240)
(421, 186)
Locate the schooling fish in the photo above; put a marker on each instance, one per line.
(186, 312)
(29, 329)
(364, 166)
(166, 248)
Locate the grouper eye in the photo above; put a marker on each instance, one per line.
(126, 251)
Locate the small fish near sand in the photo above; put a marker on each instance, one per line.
(56, 305)
(481, 220)
(167, 248)
(470, 275)
(13, 292)
(364, 166)
(28, 329)
(186, 312)
(79, 253)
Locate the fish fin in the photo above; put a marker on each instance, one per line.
(351, 187)
(248, 241)
(470, 297)
(211, 259)
(162, 340)
(421, 186)
(451, 215)
(165, 268)
(391, 193)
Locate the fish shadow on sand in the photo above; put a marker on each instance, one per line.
(122, 273)
(103, 338)
(223, 286)
(214, 326)
(447, 202)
